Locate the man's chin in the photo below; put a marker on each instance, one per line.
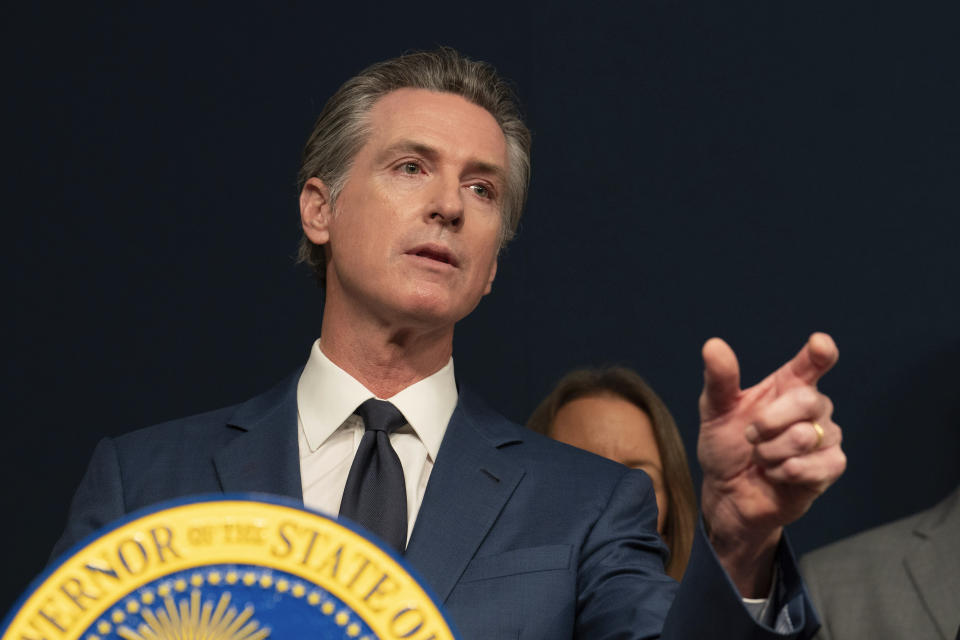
(430, 310)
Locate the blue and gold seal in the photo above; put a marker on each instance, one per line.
(233, 568)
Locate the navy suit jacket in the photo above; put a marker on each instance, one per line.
(519, 536)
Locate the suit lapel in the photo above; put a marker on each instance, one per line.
(265, 457)
(934, 564)
(469, 486)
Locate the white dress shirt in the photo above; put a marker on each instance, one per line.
(329, 433)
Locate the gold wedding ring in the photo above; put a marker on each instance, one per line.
(819, 430)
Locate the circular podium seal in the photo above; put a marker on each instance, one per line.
(234, 568)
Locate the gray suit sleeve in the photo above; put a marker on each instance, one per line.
(98, 500)
(812, 580)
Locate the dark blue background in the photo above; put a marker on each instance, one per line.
(751, 171)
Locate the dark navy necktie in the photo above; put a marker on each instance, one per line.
(375, 495)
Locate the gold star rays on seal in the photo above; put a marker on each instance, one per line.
(191, 619)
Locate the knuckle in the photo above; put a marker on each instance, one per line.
(807, 398)
(762, 424)
(841, 462)
(792, 469)
(828, 406)
(800, 438)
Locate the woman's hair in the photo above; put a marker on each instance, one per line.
(681, 517)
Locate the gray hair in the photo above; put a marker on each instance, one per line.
(343, 126)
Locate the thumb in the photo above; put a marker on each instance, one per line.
(721, 379)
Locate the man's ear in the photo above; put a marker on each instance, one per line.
(316, 211)
(493, 274)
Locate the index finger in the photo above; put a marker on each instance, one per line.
(815, 358)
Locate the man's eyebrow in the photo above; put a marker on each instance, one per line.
(488, 169)
(408, 146)
(425, 150)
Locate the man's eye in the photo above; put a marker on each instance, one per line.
(481, 190)
(410, 168)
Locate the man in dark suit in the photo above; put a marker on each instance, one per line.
(413, 179)
(900, 580)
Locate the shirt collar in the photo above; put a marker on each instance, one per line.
(327, 395)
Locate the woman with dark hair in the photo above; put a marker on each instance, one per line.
(614, 413)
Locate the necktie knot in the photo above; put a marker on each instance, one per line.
(380, 415)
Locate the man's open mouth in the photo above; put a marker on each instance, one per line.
(435, 252)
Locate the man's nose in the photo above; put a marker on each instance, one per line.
(446, 203)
